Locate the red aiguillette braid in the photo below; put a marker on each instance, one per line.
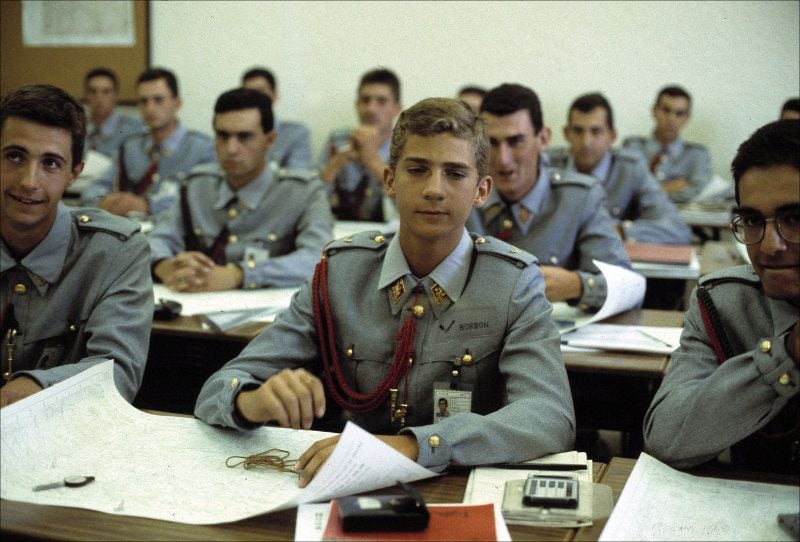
(335, 380)
(716, 344)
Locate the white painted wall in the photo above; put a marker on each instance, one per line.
(738, 59)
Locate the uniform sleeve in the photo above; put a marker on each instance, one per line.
(118, 327)
(538, 416)
(101, 187)
(658, 220)
(704, 407)
(289, 343)
(300, 151)
(597, 240)
(698, 174)
(314, 230)
(166, 239)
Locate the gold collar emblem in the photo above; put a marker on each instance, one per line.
(438, 294)
(397, 290)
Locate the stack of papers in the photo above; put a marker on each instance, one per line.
(648, 339)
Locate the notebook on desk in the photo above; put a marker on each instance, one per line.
(655, 253)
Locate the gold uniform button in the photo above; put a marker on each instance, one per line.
(785, 379)
(232, 238)
(198, 231)
(20, 289)
(514, 250)
(234, 383)
(156, 177)
(418, 311)
(434, 441)
(379, 239)
(584, 307)
(480, 241)
(765, 346)
(349, 352)
(252, 285)
(73, 328)
(554, 260)
(557, 176)
(272, 237)
(84, 218)
(590, 283)
(251, 264)
(233, 213)
(466, 359)
(508, 224)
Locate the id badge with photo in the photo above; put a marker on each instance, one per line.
(448, 402)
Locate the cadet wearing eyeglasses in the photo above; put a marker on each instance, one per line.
(733, 381)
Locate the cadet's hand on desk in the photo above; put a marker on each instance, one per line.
(122, 203)
(313, 458)
(222, 277)
(561, 284)
(18, 389)
(186, 272)
(675, 185)
(292, 398)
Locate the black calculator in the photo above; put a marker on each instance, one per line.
(550, 491)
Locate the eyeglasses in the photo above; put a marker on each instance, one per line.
(749, 228)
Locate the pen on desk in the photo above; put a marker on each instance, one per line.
(654, 338)
(540, 466)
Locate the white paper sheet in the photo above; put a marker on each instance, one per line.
(661, 503)
(229, 300)
(651, 339)
(625, 292)
(169, 468)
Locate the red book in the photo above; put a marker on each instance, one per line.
(448, 522)
(655, 253)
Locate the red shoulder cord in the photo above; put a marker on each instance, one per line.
(716, 344)
(335, 380)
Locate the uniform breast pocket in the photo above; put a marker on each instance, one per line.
(365, 365)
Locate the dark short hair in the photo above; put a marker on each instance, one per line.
(247, 98)
(509, 98)
(774, 144)
(792, 104)
(434, 116)
(674, 91)
(384, 77)
(101, 72)
(589, 102)
(50, 106)
(258, 71)
(469, 89)
(155, 74)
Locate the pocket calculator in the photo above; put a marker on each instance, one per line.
(550, 491)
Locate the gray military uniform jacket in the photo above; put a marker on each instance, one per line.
(490, 305)
(182, 150)
(278, 227)
(704, 406)
(108, 137)
(569, 227)
(681, 160)
(634, 199)
(354, 179)
(292, 147)
(83, 295)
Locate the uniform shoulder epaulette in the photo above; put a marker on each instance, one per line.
(297, 174)
(634, 140)
(564, 177)
(694, 146)
(133, 137)
(495, 247)
(203, 170)
(743, 274)
(628, 155)
(372, 240)
(99, 220)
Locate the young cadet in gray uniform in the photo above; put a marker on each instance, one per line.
(682, 168)
(472, 317)
(559, 216)
(642, 211)
(242, 223)
(352, 161)
(107, 127)
(75, 284)
(292, 147)
(146, 176)
(734, 380)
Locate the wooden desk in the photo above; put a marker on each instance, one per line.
(29, 521)
(611, 390)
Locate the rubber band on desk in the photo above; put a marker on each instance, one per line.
(274, 458)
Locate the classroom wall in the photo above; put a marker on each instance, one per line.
(738, 59)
